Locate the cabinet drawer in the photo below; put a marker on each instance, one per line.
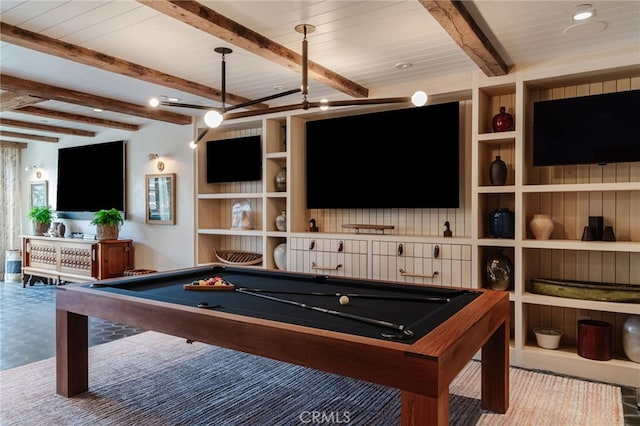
(423, 263)
(329, 256)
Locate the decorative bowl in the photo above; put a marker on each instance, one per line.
(548, 338)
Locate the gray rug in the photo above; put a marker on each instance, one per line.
(155, 379)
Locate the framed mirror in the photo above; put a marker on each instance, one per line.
(160, 190)
(39, 193)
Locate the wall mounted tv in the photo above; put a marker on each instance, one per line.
(405, 158)
(90, 178)
(596, 129)
(234, 160)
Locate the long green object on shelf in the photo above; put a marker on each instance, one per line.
(586, 290)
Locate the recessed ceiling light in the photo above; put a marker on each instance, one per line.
(173, 99)
(97, 110)
(582, 12)
(403, 65)
(278, 87)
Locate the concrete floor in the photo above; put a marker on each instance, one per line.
(27, 333)
(27, 325)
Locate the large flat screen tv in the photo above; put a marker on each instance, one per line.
(405, 158)
(234, 159)
(595, 129)
(90, 178)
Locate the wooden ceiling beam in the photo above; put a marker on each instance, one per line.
(45, 127)
(29, 136)
(458, 22)
(41, 90)
(217, 25)
(66, 116)
(10, 101)
(8, 144)
(51, 46)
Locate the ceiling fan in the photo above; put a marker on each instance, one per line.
(215, 115)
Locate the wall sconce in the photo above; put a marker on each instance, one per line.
(36, 168)
(159, 163)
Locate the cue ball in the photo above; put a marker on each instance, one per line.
(344, 300)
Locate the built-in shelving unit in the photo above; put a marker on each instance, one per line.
(569, 194)
(407, 252)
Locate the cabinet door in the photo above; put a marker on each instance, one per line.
(115, 258)
(422, 263)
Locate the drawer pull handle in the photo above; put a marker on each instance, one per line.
(436, 251)
(325, 268)
(312, 244)
(400, 249)
(407, 274)
(341, 246)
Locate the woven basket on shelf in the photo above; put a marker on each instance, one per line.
(237, 257)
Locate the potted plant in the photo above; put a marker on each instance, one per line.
(41, 217)
(108, 223)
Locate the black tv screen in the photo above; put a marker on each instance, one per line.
(234, 160)
(405, 158)
(90, 178)
(595, 129)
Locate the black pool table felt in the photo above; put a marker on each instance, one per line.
(418, 316)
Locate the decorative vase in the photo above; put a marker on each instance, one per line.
(501, 223)
(542, 226)
(498, 171)
(281, 180)
(631, 338)
(503, 121)
(280, 256)
(281, 221)
(499, 270)
(61, 229)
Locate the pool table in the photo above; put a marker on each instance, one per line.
(412, 337)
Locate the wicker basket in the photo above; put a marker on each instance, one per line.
(238, 257)
(107, 232)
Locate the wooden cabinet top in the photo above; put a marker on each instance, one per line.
(75, 240)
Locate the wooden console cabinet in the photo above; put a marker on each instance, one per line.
(75, 260)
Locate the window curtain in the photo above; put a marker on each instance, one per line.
(10, 211)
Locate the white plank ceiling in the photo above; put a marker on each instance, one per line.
(360, 40)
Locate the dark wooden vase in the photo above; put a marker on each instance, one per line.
(498, 171)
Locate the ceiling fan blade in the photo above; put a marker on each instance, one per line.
(283, 108)
(182, 105)
(260, 100)
(356, 102)
(241, 105)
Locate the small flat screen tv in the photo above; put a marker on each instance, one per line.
(90, 178)
(234, 160)
(596, 129)
(405, 158)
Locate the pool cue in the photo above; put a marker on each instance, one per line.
(406, 334)
(356, 295)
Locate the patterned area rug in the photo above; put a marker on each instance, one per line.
(155, 379)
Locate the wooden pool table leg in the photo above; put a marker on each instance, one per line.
(72, 353)
(495, 371)
(421, 410)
